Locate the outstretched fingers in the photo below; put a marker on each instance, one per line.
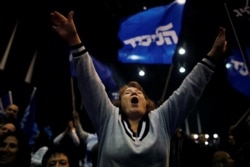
(70, 16)
(222, 38)
(57, 18)
(222, 33)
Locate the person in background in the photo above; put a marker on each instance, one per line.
(238, 144)
(180, 156)
(222, 159)
(7, 127)
(70, 141)
(90, 140)
(75, 137)
(9, 114)
(58, 156)
(42, 142)
(243, 155)
(70, 131)
(14, 150)
(206, 150)
(229, 144)
(133, 133)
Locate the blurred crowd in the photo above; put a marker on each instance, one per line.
(75, 147)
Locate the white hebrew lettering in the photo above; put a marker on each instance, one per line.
(171, 34)
(239, 12)
(131, 41)
(145, 40)
(240, 67)
(163, 36)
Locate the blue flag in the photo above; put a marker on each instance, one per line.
(48, 131)
(151, 36)
(105, 74)
(238, 73)
(102, 70)
(28, 124)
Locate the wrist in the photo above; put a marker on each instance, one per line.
(74, 41)
(212, 59)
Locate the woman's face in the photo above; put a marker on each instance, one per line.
(58, 160)
(133, 102)
(8, 150)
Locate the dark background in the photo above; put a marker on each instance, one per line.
(98, 24)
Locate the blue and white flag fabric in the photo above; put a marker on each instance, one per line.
(48, 131)
(28, 123)
(238, 73)
(102, 70)
(105, 74)
(151, 36)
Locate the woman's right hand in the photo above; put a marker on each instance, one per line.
(65, 27)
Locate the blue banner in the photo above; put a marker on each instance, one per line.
(102, 70)
(28, 123)
(238, 73)
(151, 36)
(105, 74)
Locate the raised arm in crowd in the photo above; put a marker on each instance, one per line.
(133, 132)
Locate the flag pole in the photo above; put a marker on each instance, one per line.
(33, 93)
(198, 122)
(73, 94)
(166, 83)
(31, 69)
(187, 127)
(10, 96)
(7, 51)
(241, 118)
